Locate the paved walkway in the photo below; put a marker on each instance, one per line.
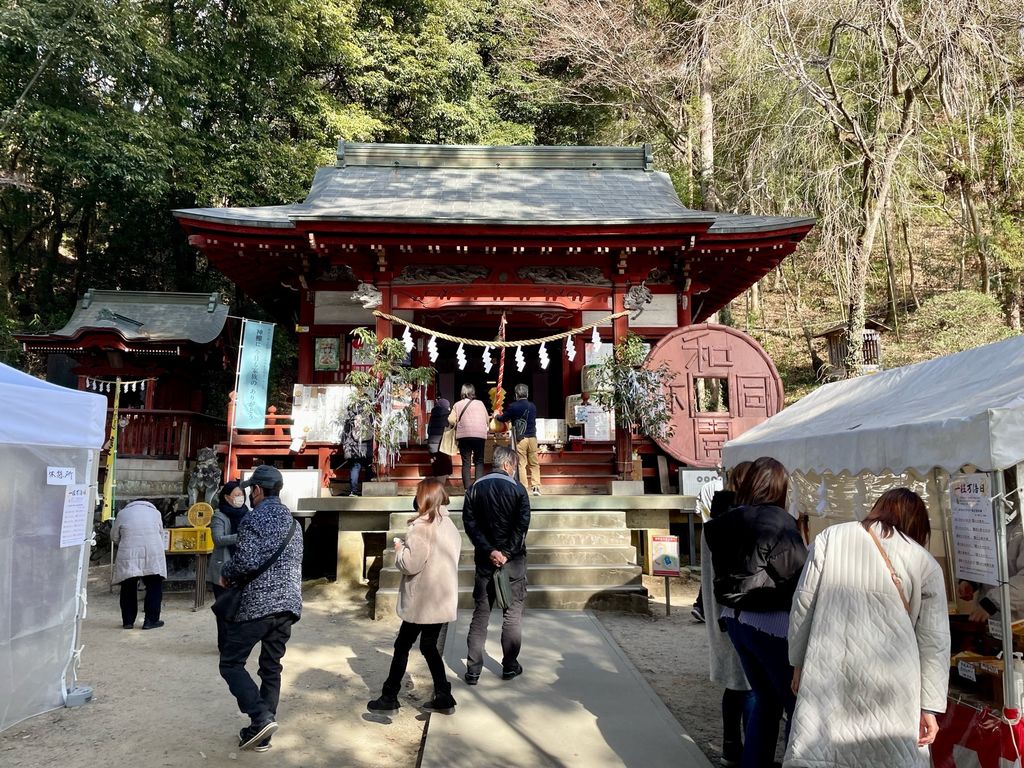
(580, 702)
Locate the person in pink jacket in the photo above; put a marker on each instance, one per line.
(470, 417)
(428, 595)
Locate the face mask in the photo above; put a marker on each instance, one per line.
(236, 502)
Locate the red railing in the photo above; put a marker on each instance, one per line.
(166, 434)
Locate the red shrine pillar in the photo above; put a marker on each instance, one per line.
(684, 309)
(307, 309)
(384, 328)
(620, 327)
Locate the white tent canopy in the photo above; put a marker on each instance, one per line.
(966, 408)
(43, 426)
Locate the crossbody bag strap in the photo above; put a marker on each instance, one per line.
(892, 571)
(273, 558)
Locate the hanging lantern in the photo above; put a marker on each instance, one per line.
(432, 349)
(407, 340)
(488, 363)
(595, 340)
(460, 356)
(570, 349)
(520, 359)
(543, 355)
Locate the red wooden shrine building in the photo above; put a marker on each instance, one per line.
(451, 237)
(161, 346)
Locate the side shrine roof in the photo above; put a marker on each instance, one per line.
(487, 185)
(144, 316)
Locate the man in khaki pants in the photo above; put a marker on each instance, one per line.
(522, 414)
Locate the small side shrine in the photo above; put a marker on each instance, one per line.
(150, 349)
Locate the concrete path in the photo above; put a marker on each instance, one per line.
(580, 702)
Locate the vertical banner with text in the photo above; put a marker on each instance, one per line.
(253, 371)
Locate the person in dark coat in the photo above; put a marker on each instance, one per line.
(758, 553)
(496, 516)
(440, 463)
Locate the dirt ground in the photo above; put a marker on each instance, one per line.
(159, 700)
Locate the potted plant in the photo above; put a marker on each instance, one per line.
(383, 395)
(636, 394)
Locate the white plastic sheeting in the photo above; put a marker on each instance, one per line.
(966, 408)
(42, 425)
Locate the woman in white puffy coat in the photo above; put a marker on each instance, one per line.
(138, 532)
(870, 650)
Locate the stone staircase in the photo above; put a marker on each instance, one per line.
(578, 558)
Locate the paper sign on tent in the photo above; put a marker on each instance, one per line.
(76, 509)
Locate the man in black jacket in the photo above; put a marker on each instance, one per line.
(496, 516)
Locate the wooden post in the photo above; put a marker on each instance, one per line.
(305, 338)
(668, 597)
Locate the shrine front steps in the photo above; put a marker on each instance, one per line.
(578, 559)
(587, 471)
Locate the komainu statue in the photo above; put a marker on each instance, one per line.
(205, 479)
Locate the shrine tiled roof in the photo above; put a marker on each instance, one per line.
(146, 316)
(487, 185)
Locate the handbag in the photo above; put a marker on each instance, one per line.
(449, 444)
(892, 572)
(502, 588)
(229, 602)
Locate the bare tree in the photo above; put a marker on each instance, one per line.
(874, 69)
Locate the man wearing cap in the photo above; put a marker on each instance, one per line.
(270, 604)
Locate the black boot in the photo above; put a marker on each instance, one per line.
(443, 703)
(385, 703)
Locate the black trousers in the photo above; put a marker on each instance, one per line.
(471, 449)
(272, 632)
(130, 598)
(429, 635)
(222, 626)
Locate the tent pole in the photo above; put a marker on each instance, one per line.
(1011, 706)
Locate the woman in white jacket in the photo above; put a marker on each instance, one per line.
(138, 532)
(428, 595)
(869, 641)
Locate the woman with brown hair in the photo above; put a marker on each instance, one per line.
(757, 554)
(427, 596)
(869, 640)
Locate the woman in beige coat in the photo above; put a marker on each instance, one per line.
(427, 597)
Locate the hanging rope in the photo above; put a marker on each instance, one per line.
(501, 343)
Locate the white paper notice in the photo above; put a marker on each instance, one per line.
(974, 530)
(76, 508)
(60, 475)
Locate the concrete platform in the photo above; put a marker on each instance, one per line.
(580, 702)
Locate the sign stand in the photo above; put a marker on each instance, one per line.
(665, 562)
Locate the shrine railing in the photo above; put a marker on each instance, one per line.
(158, 434)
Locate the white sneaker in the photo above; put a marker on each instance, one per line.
(536, 490)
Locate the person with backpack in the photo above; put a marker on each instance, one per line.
(523, 416)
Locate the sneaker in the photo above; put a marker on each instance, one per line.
(384, 703)
(511, 672)
(472, 678)
(536, 490)
(152, 624)
(442, 703)
(697, 614)
(254, 735)
(263, 746)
